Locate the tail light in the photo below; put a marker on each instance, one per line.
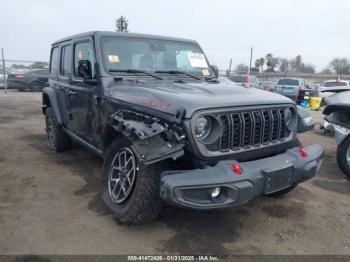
(20, 77)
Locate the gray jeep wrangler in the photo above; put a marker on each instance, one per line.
(168, 130)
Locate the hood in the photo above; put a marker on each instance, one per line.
(340, 97)
(169, 97)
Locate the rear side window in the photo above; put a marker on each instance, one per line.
(288, 82)
(334, 83)
(66, 62)
(54, 61)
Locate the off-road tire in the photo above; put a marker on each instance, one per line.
(61, 141)
(341, 156)
(144, 202)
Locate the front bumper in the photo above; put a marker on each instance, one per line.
(192, 188)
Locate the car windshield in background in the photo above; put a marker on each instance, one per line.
(238, 79)
(288, 82)
(334, 83)
(123, 53)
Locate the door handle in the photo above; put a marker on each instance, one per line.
(71, 93)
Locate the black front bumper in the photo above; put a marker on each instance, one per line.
(192, 188)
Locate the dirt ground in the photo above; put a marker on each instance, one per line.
(50, 204)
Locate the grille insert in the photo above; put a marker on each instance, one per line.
(247, 129)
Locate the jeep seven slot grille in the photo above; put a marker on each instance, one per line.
(255, 128)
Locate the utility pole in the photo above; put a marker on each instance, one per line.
(3, 69)
(229, 69)
(250, 62)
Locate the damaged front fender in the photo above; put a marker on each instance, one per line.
(152, 139)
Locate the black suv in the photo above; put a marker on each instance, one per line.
(28, 79)
(167, 129)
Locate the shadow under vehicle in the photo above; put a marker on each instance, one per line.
(168, 130)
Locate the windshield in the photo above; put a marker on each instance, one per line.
(121, 53)
(288, 82)
(334, 83)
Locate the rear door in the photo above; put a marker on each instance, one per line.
(56, 83)
(65, 74)
(83, 111)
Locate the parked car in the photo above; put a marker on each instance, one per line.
(246, 80)
(168, 129)
(337, 113)
(3, 76)
(295, 89)
(329, 85)
(28, 79)
(268, 85)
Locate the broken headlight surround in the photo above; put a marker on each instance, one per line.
(290, 117)
(207, 129)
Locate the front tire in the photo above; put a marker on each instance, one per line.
(58, 140)
(131, 189)
(343, 156)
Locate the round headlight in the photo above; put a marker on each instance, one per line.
(202, 127)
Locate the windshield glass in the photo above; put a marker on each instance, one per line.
(121, 53)
(334, 83)
(288, 82)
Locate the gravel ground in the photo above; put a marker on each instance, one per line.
(50, 204)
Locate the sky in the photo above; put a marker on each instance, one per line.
(318, 30)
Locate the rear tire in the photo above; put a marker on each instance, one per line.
(343, 156)
(58, 140)
(141, 202)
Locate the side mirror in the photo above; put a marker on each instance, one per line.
(215, 70)
(84, 69)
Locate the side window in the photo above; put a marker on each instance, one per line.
(66, 61)
(84, 51)
(54, 61)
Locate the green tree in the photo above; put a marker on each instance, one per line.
(242, 69)
(259, 63)
(340, 66)
(271, 62)
(18, 66)
(39, 65)
(122, 24)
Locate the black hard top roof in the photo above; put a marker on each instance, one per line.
(121, 34)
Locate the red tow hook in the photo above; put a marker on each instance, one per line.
(303, 153)
(236, 168)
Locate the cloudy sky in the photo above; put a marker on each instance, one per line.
(316, 29)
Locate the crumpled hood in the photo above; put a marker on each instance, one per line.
(169, 97)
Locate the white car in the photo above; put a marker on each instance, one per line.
(330, 85)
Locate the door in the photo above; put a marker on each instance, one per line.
(55, 82)
(65, 75)
(82, 109)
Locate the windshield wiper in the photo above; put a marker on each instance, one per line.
(134, 71)
(177, 72)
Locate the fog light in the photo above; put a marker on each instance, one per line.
(215, 192)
